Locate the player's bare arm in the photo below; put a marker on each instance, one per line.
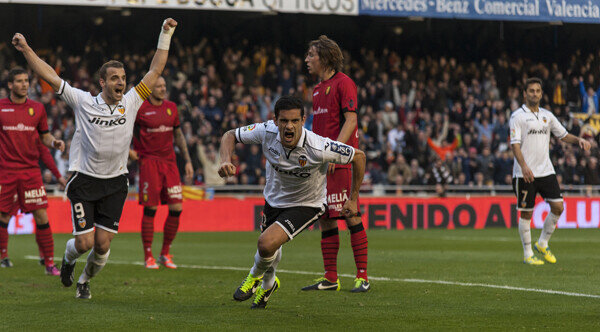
(347, 129)
(225, 152)
(52, 142)
(162, 52)
(182, 145)
(527, 173)
(350, 208)
(39, 66)
(572, 139)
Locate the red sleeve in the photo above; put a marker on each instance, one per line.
(348, 95)
(43, 123)
(176, 123)
(47, 159)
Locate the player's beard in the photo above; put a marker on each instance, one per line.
(19, 95)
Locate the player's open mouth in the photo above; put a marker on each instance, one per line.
(288, 135)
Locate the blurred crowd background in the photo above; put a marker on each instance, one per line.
(423, 119)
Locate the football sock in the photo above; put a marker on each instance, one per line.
(549, 227)
(525, 232)
(330, 245)
(360, 246)
(3, 240)
(269, 276)
(71, 253)
(148, 231)
(261, 264)
(170, 230)
(43, 237)
(95, 263)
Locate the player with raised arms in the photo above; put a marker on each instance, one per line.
(98, 156)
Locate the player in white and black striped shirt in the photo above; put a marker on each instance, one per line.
(530, 129)
(98, 156)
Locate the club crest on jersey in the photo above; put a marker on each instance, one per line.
(81, 222)
(302, 160)
(544, 119)
(31, 111)
(169, 112)
(327, 90)
(121, 110)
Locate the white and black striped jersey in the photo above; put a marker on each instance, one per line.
(295, 177)
(532, 131)
(100, 145)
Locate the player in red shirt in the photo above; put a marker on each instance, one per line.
(21, 186)
(156, 125)
(334, 116)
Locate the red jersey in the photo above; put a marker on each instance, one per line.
(331, 99)
(20, 128)
(156, 125)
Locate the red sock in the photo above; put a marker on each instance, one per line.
(43, 237)
(148, 231)
(330, 245)
(3, 240)
(170, 230)
(358, 239)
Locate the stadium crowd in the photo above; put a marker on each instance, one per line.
(422, 120)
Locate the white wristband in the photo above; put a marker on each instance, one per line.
(164, 39)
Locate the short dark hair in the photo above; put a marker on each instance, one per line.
(329, 52)
(110, 64)
(530, 81)
(288, 102)
(14, 72)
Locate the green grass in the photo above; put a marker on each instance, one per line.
(125, 296)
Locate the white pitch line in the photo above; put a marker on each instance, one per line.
(513, 239)
(420, 281)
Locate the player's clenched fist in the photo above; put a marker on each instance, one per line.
(226, 170)
(19, 42)
(59, 144)
(169, 23)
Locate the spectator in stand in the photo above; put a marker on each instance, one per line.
(589, 98)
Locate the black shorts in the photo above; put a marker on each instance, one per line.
(546, 186)
(293, 220)
(96, 202)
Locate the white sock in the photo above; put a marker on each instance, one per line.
(71, 253)
(261, 264)
(269, 276)
(549, 227)
(95, 263)
(525, 232)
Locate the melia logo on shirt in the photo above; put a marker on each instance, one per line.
(108, 123)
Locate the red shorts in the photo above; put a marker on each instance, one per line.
(22, 190)
(338, 191)
(159, 182)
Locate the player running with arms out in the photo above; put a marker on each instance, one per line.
(98, 186)
(334, 116)
(533, 173)
(23, 124)
(156, 126)
(295, 191)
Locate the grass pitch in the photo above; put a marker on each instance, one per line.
(421, 280)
